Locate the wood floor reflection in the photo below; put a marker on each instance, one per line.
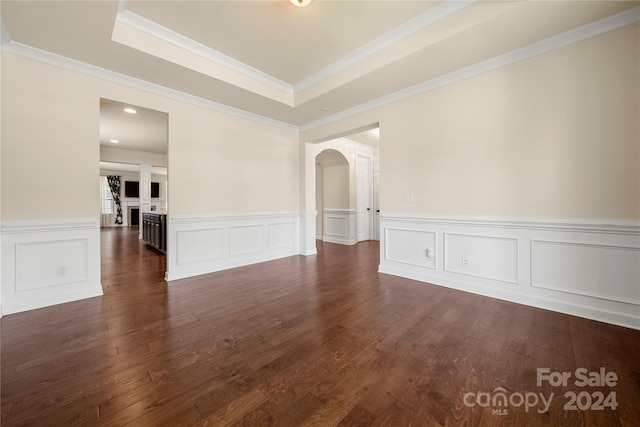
(321, 340)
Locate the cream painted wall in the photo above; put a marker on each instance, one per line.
(555, 135)
(230, 165)
(50, 116)
(336, 187)
(50, 121)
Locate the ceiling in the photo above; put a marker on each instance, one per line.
(143, 131)
(294, 66)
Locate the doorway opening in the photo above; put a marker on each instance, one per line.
(348, 164)
(133, 168)
(335, 220)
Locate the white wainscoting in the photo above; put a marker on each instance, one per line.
(587, 268)
(340, 226)
(493, 257)
(49, 262)
(204, 244)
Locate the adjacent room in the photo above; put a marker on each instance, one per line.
(320, 213)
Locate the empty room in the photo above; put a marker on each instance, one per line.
(320, 213)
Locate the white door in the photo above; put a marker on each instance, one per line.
(364, 197)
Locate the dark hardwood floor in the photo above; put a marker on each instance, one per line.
(322, 340)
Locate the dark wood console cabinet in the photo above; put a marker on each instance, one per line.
(154, 230)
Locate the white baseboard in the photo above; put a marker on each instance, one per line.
(204, 244)
(49, 262)
(587, 268)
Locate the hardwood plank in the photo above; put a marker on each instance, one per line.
(322, 340)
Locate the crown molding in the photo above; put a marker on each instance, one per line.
(184, 43)
(286, 90)
(123, 79)
(420, 22)
(584, 32)
(161, 32)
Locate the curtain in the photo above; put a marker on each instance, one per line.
(114, 186)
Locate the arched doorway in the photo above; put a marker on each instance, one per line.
(335, 221)
(356, 145)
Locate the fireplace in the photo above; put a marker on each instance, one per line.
(134, 215)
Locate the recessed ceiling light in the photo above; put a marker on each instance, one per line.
(130, 110)
(115, 141)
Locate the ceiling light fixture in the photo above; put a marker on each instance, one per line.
(115, 141)
(300, 3)
(130, 110)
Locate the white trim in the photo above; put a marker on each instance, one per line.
(347, 217)
(584, 32)
(308, 232)
(143, 24)
(20, 248)
(70, 244)
(425, 19)
(37, 226)
(200, 244)
(583, 245)
(187, 219)
(430, 243)
(615, 226)
(153, 29)
(452, 269)
(575, 35)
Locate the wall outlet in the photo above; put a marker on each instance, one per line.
(62, 271)
(466, 262)
(408, 197)
(429, 253)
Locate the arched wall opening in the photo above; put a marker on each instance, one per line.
(364, 145)
(334, 221)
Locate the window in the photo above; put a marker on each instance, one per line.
(106, 197)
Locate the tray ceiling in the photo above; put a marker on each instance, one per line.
(292, 65)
